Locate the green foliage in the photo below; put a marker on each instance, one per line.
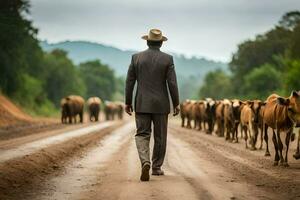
(98, 78)
(120, 89)
(292, 75)
(38, 80)
(262, 81)
(62, 78)
(295, 43)
(267, 64)
(216, 85)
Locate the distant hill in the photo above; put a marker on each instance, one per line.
(190, 71)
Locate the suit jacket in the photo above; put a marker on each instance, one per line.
(154, 73)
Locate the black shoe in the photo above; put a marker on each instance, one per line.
(158, 172)
(145, 172)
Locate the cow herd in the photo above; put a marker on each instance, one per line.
(72, 107)
(251, 118)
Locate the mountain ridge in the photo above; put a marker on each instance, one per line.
(190, 70)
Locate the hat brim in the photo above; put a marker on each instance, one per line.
(145, 37)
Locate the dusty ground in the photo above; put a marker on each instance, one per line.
(100, 162)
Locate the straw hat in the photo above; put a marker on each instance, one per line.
(155, 35)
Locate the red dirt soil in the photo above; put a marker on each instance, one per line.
(10, 114)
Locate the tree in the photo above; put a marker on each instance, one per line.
(216, 85)
(295, 43)
(62, 78)
(262, 81)
(18, 44)
(290, 20)
(291, 75)
(99, 79)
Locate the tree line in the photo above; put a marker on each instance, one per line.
(269, 63)
(38, 80)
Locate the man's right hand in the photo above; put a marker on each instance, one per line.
(176, 110)
(128, 109)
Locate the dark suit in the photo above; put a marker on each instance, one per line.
(154, 73)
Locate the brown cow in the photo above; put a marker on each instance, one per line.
(64, 114)
(94, 107)
(189, 112)
(297, 153)
(120, 109)
(220, 118)
(260, 124)
(184, 112)
(281, 114)
(228, 118)
(72, 106)
(110, 110)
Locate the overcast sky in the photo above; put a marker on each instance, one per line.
(209, 28)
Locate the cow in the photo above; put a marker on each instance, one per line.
(189, 113)
(184, 111)
(297, 153)
(120, 109)
(260, 124)
(237, 106)
(110, 110)
(219, 113)
(94, 107)
(196, 114)
(64, 114)
(228, 118)
(281, 114)
(72, 106)
(210, 114)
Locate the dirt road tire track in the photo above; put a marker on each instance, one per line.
(18, 177)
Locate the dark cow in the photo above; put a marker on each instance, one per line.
(210, 114)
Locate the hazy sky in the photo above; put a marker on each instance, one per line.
(209, 28)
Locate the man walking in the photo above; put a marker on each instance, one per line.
(154, 73)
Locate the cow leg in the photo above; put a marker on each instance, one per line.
(287, 143)
(261, 137)
(276, 149)
(252, 134)
(195, 123)
(267, 153)
(242, 132)
(199, 125)
(70, 119)
(245, 129)
(222, 128)
(210, 126)
(297, 153)
(188, 123)
(182, 121)
(234, 133)
(280, 147)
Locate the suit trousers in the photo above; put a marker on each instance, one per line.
(142, 137)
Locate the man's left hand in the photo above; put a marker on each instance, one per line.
(128, 109)
(176, 110)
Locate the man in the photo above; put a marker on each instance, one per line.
(154, 73)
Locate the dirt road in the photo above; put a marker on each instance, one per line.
(102, 163)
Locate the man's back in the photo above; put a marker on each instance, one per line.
(153, 70)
